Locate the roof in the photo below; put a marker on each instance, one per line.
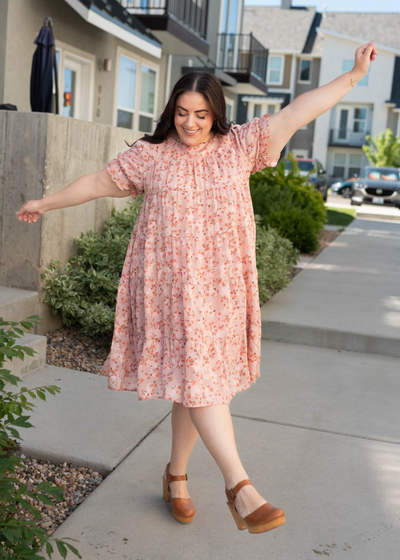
(279, 30)
(383, 28)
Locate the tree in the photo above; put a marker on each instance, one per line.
(383, 150)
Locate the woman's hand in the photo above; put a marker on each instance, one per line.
(30, 211)
(364, 56)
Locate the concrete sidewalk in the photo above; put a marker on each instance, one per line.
(318, 433)
(346, 298)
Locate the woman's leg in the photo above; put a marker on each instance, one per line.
(184, 437)
(214, 424)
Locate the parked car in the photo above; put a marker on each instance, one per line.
(344, 188)
(377, 185)
(315, 173)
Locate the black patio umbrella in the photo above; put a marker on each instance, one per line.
(43, 63)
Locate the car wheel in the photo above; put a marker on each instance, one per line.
(346, 191)
(325, 196)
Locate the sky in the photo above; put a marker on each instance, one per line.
(337, 5)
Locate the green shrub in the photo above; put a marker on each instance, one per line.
(20, 539)
(85, 290)
(289, 204)
(274, 256)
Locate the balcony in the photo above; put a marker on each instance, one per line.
(245, 59)
(346, 137)
(180, 25)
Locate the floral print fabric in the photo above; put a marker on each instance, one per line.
(188, 322)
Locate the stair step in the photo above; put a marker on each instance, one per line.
(30, 363)
(16, 304)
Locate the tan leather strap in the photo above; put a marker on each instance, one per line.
(233, 491)
(174, 478)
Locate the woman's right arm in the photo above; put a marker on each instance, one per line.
(88, 187)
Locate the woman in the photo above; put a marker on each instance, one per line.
(187, 325)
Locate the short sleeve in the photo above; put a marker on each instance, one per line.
(126, 170)
(252, 138)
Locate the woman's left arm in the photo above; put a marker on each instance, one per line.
(312, 104)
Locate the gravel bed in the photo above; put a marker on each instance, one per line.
(77, 483)
(68, 347)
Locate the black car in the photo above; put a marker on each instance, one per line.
(377, 185)
(315, 173)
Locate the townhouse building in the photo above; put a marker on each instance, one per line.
(119, 59)
(308, 49)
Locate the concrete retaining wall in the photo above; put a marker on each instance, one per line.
(40, 154)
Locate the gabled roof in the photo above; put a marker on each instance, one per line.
(382, 28)
(279, 30)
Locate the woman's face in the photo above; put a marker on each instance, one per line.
(193, 118)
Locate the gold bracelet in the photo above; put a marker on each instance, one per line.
(351, 80)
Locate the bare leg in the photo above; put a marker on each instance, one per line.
(214, 424)
(184, 437)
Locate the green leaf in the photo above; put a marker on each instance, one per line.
(62, 549)
(49, 549)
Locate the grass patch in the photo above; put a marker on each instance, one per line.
(342, 217)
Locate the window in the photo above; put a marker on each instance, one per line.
(257, 110)
(126, 92)
(275, 70)
(136, 103)
(354, 165)
(346, 165)
(148, 87)
(360, 119)
(347, 65)
(305, 71)
(229, 16)
(271, 109)
(339, 165)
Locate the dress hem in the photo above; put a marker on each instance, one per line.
(165, 398)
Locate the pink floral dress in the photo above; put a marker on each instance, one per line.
(188, 322)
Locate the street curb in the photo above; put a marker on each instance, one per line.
(329, 338)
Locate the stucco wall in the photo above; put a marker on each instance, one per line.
(41, 154)
(25, 18)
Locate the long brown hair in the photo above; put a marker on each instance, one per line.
(201, 82)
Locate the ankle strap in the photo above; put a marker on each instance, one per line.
(233, 491)
(173, 478)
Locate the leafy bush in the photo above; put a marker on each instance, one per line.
(85, 290)
(20, 539)
(289, 204)
(274, 256)
(383, 150)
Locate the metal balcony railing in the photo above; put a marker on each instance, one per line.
(241, 53)
(193, 13)
(347, 137)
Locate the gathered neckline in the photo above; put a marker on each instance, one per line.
(185, 146)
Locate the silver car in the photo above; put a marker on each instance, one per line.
(377, 185)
